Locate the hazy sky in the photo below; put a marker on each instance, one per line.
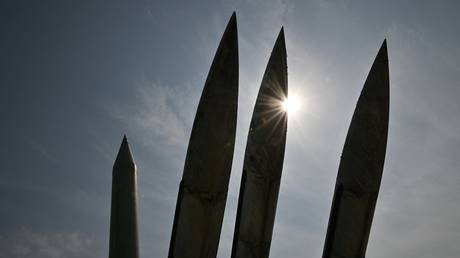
(76, 75)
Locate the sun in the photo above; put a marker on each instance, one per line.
(291, 104)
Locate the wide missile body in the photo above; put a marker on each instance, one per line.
(263, 161)
(204, 186)
(361, 167)
(123, 219)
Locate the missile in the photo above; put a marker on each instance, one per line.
(263, 161)
(361, 167)
(123, 219)
(203, 189)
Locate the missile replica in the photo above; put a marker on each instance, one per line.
(263, 161)
(204, 186)
(123, 219)
(361, 167)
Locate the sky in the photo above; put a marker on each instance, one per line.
(77, 75)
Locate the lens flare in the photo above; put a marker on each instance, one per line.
(291, 104)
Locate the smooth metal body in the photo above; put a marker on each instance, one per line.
(263, 161)
(204, 186)
(361, 167)
(123, 219)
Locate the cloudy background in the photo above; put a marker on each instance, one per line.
(76, 75)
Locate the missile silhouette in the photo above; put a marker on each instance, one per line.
(203, 190)
(263, 161)
(123, 219)
(361, 167)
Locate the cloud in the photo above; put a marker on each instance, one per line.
(43, 150)
(158, 112)
(25, 243)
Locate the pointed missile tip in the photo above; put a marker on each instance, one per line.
(277, 64)
(124, 153)
(384, 45)
(232, 22)
(280, 42)
(281, 35)
(379, 85)
(230, 32)
(124, 143)
(383, 51)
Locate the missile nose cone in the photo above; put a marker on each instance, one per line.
(280, 47)
(223, 74)
(124, 156)
(376, 91)
(384, 45)
(227, 53)
(382, 55)
(281, 33)
(276, 71)
(280, 44)
(232, 19)
(230, 34)
(368, 132)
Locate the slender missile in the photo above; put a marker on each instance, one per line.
(263, 161)
(203, 190)
(361, 167)
(123, 220)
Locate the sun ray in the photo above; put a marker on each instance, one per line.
(291, 104)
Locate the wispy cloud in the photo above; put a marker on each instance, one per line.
(158, 112)
(43, 150)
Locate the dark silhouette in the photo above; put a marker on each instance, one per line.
(263, 161)
(204, 186)
(361, 167)
(123, 219)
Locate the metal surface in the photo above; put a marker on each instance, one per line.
(361, 167)
(263, 161)
(203, 189)
(123, 219)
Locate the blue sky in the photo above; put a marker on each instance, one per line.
(76, 75)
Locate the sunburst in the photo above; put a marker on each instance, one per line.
(291, 104)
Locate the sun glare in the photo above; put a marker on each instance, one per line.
(291, 104)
